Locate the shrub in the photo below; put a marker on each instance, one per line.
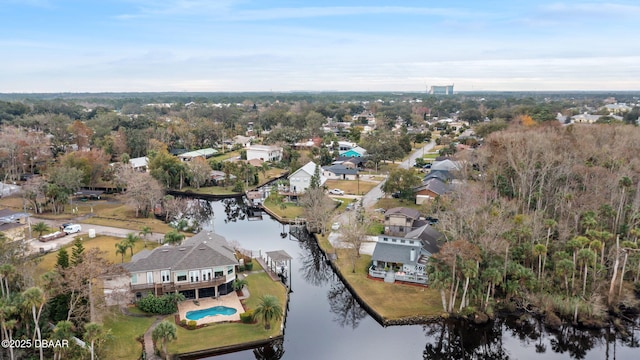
(183, 322)
(248, 266)
(191, 325)
(247, 316)
(241, 268)
(165, 304)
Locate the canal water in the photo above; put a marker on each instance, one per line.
(325, 322)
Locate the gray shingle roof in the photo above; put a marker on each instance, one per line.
(394, 253)
(435, 185)
(340, 169)
(410, 213)
(205, 249)
(429, 237)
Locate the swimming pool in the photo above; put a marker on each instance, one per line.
(212, 311)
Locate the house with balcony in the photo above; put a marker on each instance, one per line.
(202, 266)
(404, 258)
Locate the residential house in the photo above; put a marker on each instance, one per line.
(219, 178)
(350, 162)
(264, 152)
(300, 179)
(430, 189)
(443, 175)
(139, 164)
(202, 153)
(585, 118)
(356, 151)
(243, 141)
(340, 172)
(13, 224)
(404, 258)
(399, 220)
(202, 266)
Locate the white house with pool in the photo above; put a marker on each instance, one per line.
(203, 266)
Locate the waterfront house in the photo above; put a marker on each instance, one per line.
(202, 266)
(300, 179)
(264, 152)
(404, 258)
(139, 164)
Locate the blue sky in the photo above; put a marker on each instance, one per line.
(347, 45)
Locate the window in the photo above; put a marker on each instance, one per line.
(166, 276)
(206, 275)
(194, 276)
(230, 270)
(218, 273)
(182, 277)
(134, 278)
(402, 241)
(394, 240)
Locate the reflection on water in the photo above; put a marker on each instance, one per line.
(346, 310)
(324, 321)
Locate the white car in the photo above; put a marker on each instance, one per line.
(336, 192)
(70, 229)
(335, 226)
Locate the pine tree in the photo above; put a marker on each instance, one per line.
(314, 183)
(76, 252)
(63, 259)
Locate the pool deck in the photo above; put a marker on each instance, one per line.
(230, 300)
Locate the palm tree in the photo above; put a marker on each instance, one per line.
(40, 227)
(35, 298)
(173, 237)
(93, 334)
(239, 284)
(62, 331)
(121, 248)
(6, 271)
(268, 310)
(146, 230)
(539, 250)
(166, 332)
(131, 241)
(6, 312)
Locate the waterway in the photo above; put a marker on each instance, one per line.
(325, 322)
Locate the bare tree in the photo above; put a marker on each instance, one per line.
(317, 209)
(143, 191)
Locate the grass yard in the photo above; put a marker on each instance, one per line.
(123, 216)
(104, 243)
(430, 155)
(291, 211)
(351, 187)
(389, 202)
(407, 300)
(224, 334)
(124, 332)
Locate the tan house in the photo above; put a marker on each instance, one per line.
(399, 220)
(203, 266)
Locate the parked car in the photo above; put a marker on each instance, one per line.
(396, 195)
(71, 229)
(350, 206)
(336, 192)
(335, 226)
(380, 210)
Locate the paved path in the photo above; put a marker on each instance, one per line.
(148, 340)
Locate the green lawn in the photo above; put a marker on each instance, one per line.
(405, 300)
(225, 334)
(389, 202)
(351, 187)
(291, 211)
(124, 333)
(104, 243)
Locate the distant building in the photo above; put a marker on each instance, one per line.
(264, 153)
(202, 153)
(441, 90)
(300, 180)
